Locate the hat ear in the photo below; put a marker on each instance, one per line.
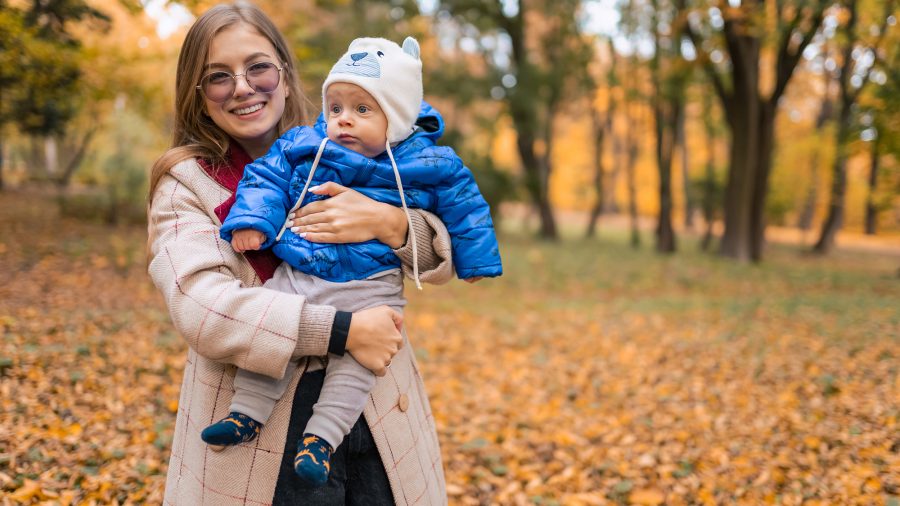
(411, 47)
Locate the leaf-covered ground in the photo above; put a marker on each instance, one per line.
(589, 374)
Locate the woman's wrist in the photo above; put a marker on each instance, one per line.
(393, 227)
(340, 329)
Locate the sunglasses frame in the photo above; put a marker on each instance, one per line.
(234, 81)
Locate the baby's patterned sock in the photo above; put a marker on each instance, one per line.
(312, 462)
(231, 430)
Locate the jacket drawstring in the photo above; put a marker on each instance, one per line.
(309, 179)
(412, 233)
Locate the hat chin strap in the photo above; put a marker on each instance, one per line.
(412, 233)
(309, 179)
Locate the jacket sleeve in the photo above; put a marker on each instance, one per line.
(462, 208)
(263, 194)
(253, 328)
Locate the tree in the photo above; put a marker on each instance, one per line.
(852, 79)
(669, 75)
(602, 128)
(690, 204)
(883, 107)
(40, 80)
(633, 127)
(710, 188)
(14, 38)
(826, 111)
(732, 44)
(547, 60)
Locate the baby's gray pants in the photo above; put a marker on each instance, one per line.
(347, 383)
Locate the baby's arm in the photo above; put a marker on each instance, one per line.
(462, 207)
(247, 239)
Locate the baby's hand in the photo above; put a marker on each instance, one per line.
(247, 239)
(474, 280)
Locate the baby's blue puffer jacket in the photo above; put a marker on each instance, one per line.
(434, 179)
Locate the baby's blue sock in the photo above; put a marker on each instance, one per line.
(231, 430)
(312, 462)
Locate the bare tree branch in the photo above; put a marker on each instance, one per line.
(707, 64)
(787, 60)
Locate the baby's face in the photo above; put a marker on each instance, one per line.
(354, 119)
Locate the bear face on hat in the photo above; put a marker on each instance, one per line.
(390, 73)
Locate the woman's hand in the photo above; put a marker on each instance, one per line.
(349, 216)
(374, 337)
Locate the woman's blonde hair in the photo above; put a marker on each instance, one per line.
(195, 134)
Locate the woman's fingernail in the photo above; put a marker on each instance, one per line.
(291, 216)
(302, 234)
(314, 188)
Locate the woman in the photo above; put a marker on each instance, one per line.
(229, 320)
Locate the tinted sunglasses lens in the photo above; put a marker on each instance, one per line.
(218, 86)
(263, 77)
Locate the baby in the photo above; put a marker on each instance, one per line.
(376, 136)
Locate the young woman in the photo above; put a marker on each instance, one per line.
(218, 305)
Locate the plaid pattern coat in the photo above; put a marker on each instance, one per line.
(217, 304)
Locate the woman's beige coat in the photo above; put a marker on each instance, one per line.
(229, 321)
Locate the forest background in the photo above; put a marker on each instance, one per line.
(699, 207)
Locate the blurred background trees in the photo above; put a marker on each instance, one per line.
(718, 119)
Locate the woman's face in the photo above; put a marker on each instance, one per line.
(250, 117)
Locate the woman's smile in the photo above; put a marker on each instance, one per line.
(247, 110)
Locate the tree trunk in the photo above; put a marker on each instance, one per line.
(709, 178)
(631, 144)
(812, 196)
(744, 114)
(610, 206)
(600, 127)
(2, 144)
(736, 239)
(871, 208)
(80, 150)
(535, 178)
(2, 147)
(522, 103)
(761, 187)
(808, 211)
(35, 161)
(690, 206)
(835, 217)
(666, 114)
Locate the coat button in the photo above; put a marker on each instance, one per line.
(403, 402)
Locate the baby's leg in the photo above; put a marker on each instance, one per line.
(342, 399)
(341, 402)
(255, 394)
(254, 399)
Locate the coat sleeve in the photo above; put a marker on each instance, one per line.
(253, 328)
(433, 249)
(462, 208)
(263, 194)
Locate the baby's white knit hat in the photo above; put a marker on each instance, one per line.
(391, 74)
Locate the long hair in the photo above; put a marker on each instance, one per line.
(195, 134)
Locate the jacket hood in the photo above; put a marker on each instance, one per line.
(430, 124)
